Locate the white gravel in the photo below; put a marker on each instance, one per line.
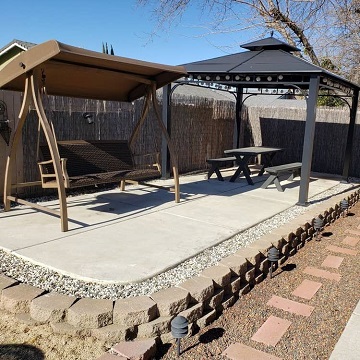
(44, 278)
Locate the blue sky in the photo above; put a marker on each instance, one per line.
(121, 23)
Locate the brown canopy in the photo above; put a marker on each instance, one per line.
(75, 72)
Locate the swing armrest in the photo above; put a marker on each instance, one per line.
(46, 176)
(155, 156)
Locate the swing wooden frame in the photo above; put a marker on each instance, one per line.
(29, 68)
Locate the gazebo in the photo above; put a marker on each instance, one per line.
(270, 65)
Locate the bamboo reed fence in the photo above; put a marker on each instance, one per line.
(201, 128)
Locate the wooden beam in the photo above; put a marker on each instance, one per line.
(33, 205)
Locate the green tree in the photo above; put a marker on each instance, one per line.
(105, 49)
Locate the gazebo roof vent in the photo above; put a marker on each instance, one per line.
(269, 43)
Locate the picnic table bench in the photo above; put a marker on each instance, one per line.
(217, 163)
(276, 171)
(94, 162)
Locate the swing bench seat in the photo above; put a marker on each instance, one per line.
(88, 163)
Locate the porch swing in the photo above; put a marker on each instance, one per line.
(76, 72)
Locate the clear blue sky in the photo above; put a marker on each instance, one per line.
(121, 23)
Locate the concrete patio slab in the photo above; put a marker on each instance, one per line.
(122, 237)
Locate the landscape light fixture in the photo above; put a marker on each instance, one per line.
(318, 224)
(273, 256)
(179, 329)
(344, 206)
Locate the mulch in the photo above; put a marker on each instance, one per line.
(312, 337)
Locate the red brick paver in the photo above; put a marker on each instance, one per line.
(349, 240)
(239, 351)
(138, 349)
(271, 331)
(322, 273)
(341, 250)
(290, 306)
(332, 261)
(307, 289)
(354, 232)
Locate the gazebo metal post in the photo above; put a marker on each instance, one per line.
(350, 134)
(308, 139)
(239, 103)
(166, 118)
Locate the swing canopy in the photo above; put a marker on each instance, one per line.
(58, 69)
(76, 72)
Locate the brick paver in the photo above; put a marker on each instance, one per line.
(307, 289)
(350, 240)
(271, 331)
(354, 232)
(291, 306)
(140, 349)
(322, 273)
(341, 250)
(239, 351)
(332, 261)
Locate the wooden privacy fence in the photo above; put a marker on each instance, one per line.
(201, 128)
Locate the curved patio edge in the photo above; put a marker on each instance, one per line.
(200, 299)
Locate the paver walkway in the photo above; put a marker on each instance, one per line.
(274, 327)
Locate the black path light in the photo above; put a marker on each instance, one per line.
(179, 329)
(318, 224)
(273, 256)
(344, 206)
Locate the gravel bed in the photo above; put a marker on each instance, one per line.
(44, 278)
(308, 338)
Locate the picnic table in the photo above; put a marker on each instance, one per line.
(243, 156)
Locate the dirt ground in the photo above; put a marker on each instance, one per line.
(19, 341)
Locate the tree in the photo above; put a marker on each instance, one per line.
(105, 49)
(321, 28)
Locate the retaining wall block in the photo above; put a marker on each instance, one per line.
(206, 319)
(228, 301)
(259, 278)
(65, 328)
(262, 245)
(244, 289)
(250, 276)
(252, 255)
(17, 299)
(237, 264)
(200, 288)
(168, 338)
(6, 282)
(264, 266)
(285, 249)
(156, 327)
(171, 301)
(221, 275)
(214, 302)
(193, 313)
(134, 311)
(51, 307)
(303, 237)
(90, 313)
(234, 286)
(114, 333)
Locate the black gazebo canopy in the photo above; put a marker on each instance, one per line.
(270, 65)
